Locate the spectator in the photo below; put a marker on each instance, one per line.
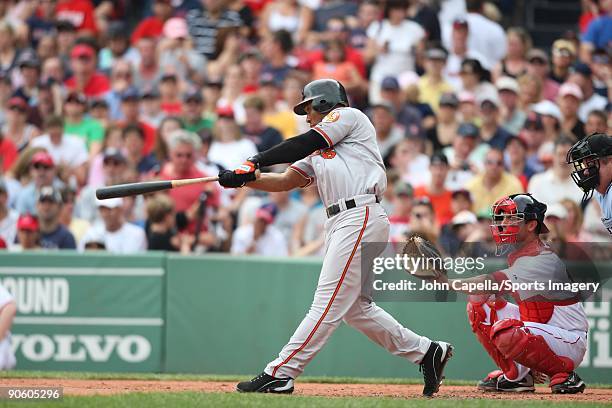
(177, 55)
(276, 48)
(264, 137)
(391, 93)
(130, 108)
(443, 133)
(423, 220)
(114, 171)
(118, 236)
(564, 53)
(167, 126)
(75, 225)
(490, 130)
(369, 12)
(513, 118)
(432, 84)
(457, 232)
(514, 64)
(53, 235)
(465, 156)
(551, 121)
(601, 72)
(493, 183)
(29, 70)
(572, 227)
(468, 111)
(8, 309)
(42, 173)
(162, 234)
(251, 63)
(150, 104)
(279, 102)
(8, 51)
(85, 79)
(582, 75)
(205, 23)
(66, 150)
(232, 95)
(80, 13)
(133, 141)
(336, 65)
(461, 200)
(170, 101)
(530, 91)
(289, 212)
(596, 122)
(388, 132)
(152, 27)
(475, 79)
(391, 45)
(538, 66)
(570, 97)
(436, 191)
(487, 37)
(193, 120)
(122, 79)
(458, 51)
(118, 47)
(534, 135)
(399, 217)
(99, 110)
(556, 183)
(598, 34)
(280, 15)
(78, 124)
(8, 217)
(42, 22)
(229, 148)
(28, 233)
(16, 129)
(409, 160)
(8, 153)
(260, 237)
(183, 147)
(516, 160)
(66, 38)
(147, 72)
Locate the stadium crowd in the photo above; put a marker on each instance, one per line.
(102, 92)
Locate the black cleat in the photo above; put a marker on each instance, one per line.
(572, 385)
(497, 382)
(433, 365)
(266, 383)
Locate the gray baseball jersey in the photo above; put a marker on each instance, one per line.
(352, 165)
(605, 202)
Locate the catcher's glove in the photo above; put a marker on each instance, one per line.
(423, 258)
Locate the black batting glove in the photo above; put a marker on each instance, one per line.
(230, 179)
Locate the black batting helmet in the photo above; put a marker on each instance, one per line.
(324, 94)
(585, 155)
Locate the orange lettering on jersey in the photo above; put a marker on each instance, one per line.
(331, 117)
(328, 153)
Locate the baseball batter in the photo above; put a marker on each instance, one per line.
(543, 332)
(339, 153)
(592, 160)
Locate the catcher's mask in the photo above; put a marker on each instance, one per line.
(508, 215)
(324, 94)
(585, 155)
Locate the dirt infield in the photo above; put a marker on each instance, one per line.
(109, 387)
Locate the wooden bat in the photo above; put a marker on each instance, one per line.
(125, 190)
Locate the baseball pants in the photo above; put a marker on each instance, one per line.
(339, 297)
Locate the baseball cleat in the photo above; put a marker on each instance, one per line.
(266, 383)
(433, 365)
(497, 382)
(572, 385)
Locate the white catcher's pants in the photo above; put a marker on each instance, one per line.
(339, 297)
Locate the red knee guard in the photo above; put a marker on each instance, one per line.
(477, 317)
(515, 342)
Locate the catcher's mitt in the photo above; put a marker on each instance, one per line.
(423, 259)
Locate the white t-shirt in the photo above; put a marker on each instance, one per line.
(595, 102)
(485, 37)
(605, 203)
(401, 40)
(352, 164)
(547, 188)
(271, 243)
(71, 150)
(233, 154)
(126, 240)
(8, 227)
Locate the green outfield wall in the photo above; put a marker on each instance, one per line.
(217, 314)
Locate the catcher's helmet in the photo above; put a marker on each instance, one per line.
(509, 212)
(324, 94)
(584, 155)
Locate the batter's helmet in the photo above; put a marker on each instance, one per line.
(509, 212)
(585, 155)
(324, 94)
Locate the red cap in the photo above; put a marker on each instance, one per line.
(17, 101)
(225, 112)
(2, 243)
(42, 158)
(82, 50)
(27, 222)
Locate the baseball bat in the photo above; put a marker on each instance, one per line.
(124, 190)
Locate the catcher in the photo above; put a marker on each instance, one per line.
(537, 335)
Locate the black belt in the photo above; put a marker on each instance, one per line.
(335, 208)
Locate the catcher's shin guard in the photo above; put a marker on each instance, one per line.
(515, 342)
(477, 316)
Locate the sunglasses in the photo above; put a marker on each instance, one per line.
(494, 162)
(183, 155)
(41, 167)
(111, 162)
